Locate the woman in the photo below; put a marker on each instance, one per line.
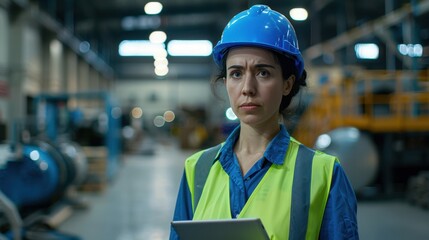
(260, 170)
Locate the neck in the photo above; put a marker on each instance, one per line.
(255, 140)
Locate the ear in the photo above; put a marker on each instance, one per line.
(288, 84)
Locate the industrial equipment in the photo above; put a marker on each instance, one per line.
(388, 110)
(90, 119)
(35, 179)
(346, 143)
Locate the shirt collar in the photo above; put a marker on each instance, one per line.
(275, 152)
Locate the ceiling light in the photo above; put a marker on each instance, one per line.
(160, 53)
(161, 62)
(366, 50)
(153, 8)
(158, 37)
(412, 50)
(189, 48)
(139, 48)
(161, 71)
(298, 14)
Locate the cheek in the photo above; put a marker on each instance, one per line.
(231, 89)
(231, 95)
(274, 95)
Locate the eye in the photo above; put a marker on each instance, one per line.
(263, 73)
(235, 74)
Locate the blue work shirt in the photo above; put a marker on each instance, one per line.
(339, 220)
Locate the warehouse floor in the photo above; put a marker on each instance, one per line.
(139, 202)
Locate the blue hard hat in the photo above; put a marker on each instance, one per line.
(262, 27)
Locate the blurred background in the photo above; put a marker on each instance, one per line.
(101, 101)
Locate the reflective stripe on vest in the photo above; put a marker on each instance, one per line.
(290, 199)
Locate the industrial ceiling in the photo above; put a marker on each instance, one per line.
(327, 37)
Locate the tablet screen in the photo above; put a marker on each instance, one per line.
(225, 229)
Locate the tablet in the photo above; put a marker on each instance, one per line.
(225, 229)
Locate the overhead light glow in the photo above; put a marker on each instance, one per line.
(230, 114)
(169, 116)
(139, 48)
(298, 14)
(412, 50)
(366, 51)
(160, 62)
(161, 71)
(152, 8)
(160, 54)
(158, 37)
(159, 121)
(137, 112)
(189, 48)
(323, 141)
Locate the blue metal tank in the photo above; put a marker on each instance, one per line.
(31, 180)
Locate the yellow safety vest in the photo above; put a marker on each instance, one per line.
(290, 199)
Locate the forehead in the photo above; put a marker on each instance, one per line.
(251, 55)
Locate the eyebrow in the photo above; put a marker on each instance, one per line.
(262, 65)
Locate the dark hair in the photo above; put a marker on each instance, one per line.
(287, 65)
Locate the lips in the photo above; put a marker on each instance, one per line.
(249, 105)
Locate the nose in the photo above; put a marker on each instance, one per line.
(249, 85)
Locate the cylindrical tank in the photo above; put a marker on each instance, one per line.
(32, 179)
(356, 152)
(78, 159)
(42, 172)
(40, 175)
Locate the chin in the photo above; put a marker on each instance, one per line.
(253, 120)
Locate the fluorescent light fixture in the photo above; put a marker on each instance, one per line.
(366, 51)
(139, 48)
(412, 50)
(158, 37)
(152, 8)
(298, 14)
(189, 48)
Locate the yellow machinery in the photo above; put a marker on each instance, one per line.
(360, 102)
(392, 107)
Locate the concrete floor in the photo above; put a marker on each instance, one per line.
(139, 203)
